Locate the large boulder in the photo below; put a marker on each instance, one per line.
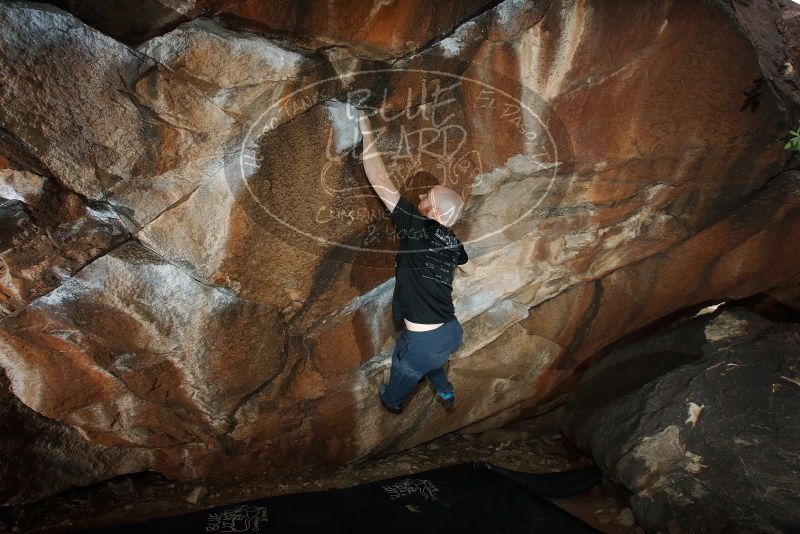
(701, 423)
(612, 177)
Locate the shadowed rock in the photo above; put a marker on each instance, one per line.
(702, 415)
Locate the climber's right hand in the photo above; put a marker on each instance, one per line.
(363, 122)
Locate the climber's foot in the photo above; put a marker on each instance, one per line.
(396, 409)
(448, 399)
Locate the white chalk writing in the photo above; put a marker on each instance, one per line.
(411, 486)
(243, 518)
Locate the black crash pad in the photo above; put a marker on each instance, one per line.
(473, 497)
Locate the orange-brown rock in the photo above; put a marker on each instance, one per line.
(33, 445)
(379, 27)
(47, 232)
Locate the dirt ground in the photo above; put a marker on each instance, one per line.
(531, 445)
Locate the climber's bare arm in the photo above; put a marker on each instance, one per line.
(467, 268)
(374, 167)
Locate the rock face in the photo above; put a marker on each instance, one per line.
(197, 274)
(387, 28)
(32, 445)
(48, 231)
(700, 422)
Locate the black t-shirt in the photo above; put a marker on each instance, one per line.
(426, 260)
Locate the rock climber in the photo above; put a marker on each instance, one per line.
(428, 254)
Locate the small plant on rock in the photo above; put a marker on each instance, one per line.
(794, 140)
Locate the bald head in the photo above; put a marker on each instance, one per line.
(446, 204)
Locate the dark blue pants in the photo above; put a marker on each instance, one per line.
(417, 354)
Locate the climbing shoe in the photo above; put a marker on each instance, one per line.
(396, 409)
(448, 399)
